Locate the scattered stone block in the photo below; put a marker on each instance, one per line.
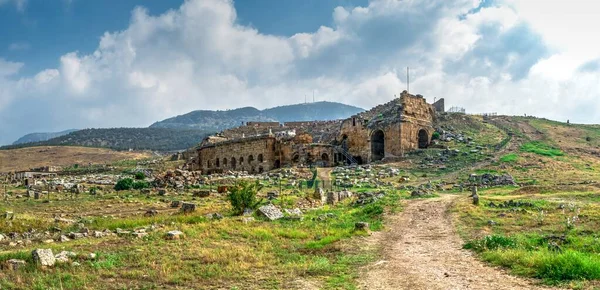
(64, 256)
(175, 204)
(43, 257)
(14, 264)
(361, 226)
(201, 193)
(174, 235)
(271, 212)
(214, 216)
(294, 214)
(188, 207)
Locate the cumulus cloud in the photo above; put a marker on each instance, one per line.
(487, 57)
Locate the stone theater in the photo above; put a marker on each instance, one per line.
(383, 133)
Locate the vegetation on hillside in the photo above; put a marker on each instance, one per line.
(159, 139)
(221, 120)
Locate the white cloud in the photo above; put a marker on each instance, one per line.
(489, 59)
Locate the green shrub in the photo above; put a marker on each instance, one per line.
(491, 242)
(140, 176)
(373, 210)
(124, 184)
(540, 148)
(243, 196)
(435, 136)
(140, 185)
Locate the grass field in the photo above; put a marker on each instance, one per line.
(32, 157)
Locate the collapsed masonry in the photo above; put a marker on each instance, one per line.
(382, 133)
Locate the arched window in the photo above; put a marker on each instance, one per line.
(224, 162)
(217, 163)
(241, 160)
(250, 159)
(208, 164)
(233, 163)
(260, 158)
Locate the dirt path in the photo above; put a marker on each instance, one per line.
(422, 251)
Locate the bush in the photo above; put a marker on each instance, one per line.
(140, 185)
(140, 176)
(435, 136)
(243, 196)
(124, 184)
(491, 242)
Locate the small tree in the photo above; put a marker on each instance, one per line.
(435, 136)
(140, 175)
(124, 184)
(140, 185)
(243, 196)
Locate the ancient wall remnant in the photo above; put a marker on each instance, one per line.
(383, 133)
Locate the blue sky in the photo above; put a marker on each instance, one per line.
(42, 31)
(87, 64)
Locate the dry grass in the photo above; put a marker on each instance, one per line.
(26, 158)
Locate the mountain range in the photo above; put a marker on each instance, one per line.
(221, 120)
(185, 131)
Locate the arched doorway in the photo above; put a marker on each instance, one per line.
(377, 145)
(277, 164)
(260, 158)
(233, 163)
(250, 159)
(423, 139)
(325, 159)
(224, 162)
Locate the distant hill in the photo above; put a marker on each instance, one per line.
(185, 131)
(37, 137)
(159, 139)
(221, 120)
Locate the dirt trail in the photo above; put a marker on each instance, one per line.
(422, 251)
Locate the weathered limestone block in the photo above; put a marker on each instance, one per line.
(271, 212)
(43, 257)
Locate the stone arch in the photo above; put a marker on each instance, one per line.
(325, 159)
(233, 163)
(377, 145)
(260, 158)
(224, 162)
(217, 162)
(277, 164)
(296, 158)
(250, 159)
(242, 160)
(261, 169)
(423, 139)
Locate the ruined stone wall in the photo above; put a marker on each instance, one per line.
(439, 106)
(417, 115)
(240, 155)
(357, 138)
(263, 124)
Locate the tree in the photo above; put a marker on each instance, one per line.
(124, 184)
(243, 196)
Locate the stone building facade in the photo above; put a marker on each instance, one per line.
(383, 133)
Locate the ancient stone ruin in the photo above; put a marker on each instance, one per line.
(383, 133)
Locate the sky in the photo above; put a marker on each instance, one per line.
(88, 64)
